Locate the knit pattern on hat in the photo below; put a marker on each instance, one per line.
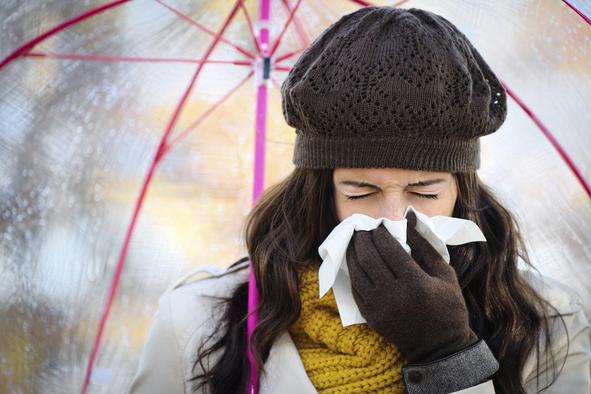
(337, 359)
(392, 87)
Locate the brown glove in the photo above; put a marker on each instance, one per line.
(414, 302)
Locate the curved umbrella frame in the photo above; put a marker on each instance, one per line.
(261, 62)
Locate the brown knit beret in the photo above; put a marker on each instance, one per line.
(391, 87)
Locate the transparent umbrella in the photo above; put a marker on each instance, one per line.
(136, 135)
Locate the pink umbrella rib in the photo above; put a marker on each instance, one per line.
(208, 112)
(363, 3)
(287, 55)
(287, 22)
(282, 68)
(250, 27)
(585, 18)
(299, 28)
(29, 45)
(157, 157)
(369, 4)
(110, 58)
(205, 29)
(565, 156)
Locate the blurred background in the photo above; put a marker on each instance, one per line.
(82, 114)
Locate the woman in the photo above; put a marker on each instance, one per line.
(388, 106)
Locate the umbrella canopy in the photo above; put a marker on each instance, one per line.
(136, 135)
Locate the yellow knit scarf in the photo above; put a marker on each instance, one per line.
(337, 359)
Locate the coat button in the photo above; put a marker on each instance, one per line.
(415, 376)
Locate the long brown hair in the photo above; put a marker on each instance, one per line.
(291, 220)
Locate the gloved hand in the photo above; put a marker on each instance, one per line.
(414, 302)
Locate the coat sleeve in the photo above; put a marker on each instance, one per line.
(160, 368)
(469, 367)
(572, 350)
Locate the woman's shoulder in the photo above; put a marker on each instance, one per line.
(191, 303)
(562, 297)
(191, 298)
(569, 328)
(210, 281)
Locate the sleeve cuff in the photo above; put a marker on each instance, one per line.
(466, 368)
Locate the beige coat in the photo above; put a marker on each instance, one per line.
(185, 316)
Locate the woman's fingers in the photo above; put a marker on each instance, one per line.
(426, 256)
(358, 297)
(391, 251)
(411, 218)
(359, 278)
(370, 260)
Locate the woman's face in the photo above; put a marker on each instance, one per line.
(386, 192)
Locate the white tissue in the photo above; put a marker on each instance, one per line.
(333, 272)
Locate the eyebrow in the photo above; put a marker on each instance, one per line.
(427, 182)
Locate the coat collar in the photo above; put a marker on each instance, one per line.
(284, 369)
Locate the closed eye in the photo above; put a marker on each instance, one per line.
(429, 196)
(358, 197)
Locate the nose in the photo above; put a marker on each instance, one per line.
(393, 209)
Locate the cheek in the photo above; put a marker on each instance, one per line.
(345, 208)
(341, 208)
(439, 207)
(443, 206)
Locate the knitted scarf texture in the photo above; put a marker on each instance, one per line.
(337, 359)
